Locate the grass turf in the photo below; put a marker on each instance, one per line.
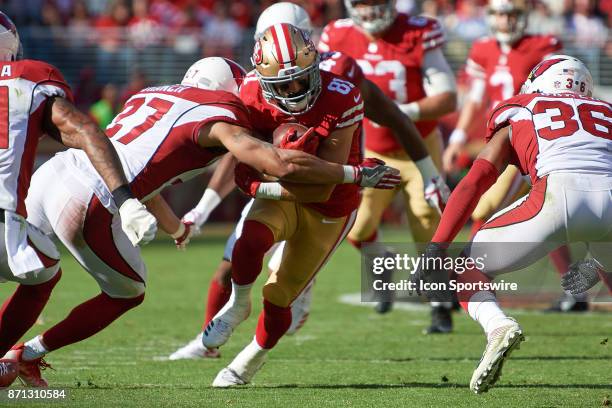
(344, 356)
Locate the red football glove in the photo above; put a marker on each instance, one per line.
(308, 142)
(374, 173)
(247, 179)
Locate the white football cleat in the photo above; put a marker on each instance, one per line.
(501, 342)
(300, 309)
(220, 328)
(243, 368)
(194, 350)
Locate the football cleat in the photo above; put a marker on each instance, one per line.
(243, 368)
(383, 307)
(570, 303)
(441, 321)
(29, 370)
(9, 370)
(300, 310)
(501, 342)
(220, 328)
(194, 350)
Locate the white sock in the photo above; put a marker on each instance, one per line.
(241, 294)
(248, 359)
(483, 308)
(34, 349)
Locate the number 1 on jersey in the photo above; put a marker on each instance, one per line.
(161, 107)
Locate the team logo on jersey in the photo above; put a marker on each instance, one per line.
(257, 54)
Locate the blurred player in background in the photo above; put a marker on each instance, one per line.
(164, 135)
(497, 66)
(377, 106)
(310, 110)
(401, 54)
(560, 136)
(35, 100)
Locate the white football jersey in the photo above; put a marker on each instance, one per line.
(155, 137)
(25, 87)
(557, 133)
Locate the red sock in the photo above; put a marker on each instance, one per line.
(218, 295)
(561, 258)
(274, 321)
(87, 319)
(476, 225)
(249, 251)
(358, 244)
(21, 310)
(472, 276)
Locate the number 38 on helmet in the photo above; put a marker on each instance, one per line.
(287, 66)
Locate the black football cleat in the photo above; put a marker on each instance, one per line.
(441, 321)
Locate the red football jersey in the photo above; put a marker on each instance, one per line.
(343, 65)
(556, 133)
(25, 87)
(338, 106)
(156, 138)
(393, 62)
(504, 71)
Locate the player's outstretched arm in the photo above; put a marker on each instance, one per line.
(293, 165)
(180, 230)
(73, 128)
(219, 187)
(483, 174)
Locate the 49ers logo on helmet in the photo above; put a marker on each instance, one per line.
(257, 54)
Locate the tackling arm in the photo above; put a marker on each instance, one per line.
(168, 221)
(483, 174)
(290, 165)
(72, 128)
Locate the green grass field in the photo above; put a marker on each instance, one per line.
(345, 355)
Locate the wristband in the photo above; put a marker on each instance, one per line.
(350, 174)
(458, 136)
(209, 201)
(412, 110)
(270, 191)
(179, 232)
(121, 194)
(427, 168)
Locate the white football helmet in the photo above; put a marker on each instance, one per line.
(373, 19)
(10, 46)
(511, 31)
(283, 12)
(559, 74)
(215, 74)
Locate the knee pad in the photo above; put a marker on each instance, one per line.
(277, 295)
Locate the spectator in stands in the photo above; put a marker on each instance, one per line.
(113, 54)
(541, 20)
(105, 109)
(589, 30)
(138, 81)
(144, 29)
(471, 23)
(222, 34)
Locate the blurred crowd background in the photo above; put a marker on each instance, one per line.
(110, 49)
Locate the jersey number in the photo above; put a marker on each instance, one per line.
(338, 85)
(4, 117)
(161, 107)
(503, 78)
(397, 84)
(595, 119)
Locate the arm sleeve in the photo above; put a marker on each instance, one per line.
(464, 199)
(438, 76)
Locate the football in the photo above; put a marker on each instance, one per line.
(9, 369)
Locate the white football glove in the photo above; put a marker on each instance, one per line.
(198, 215)
(138, 224)
(581, 276)
(183, 235)
(436, 191)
